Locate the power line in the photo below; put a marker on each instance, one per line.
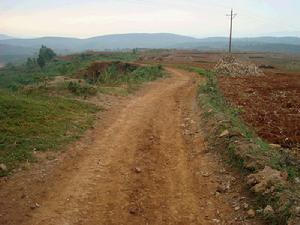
(232, 16)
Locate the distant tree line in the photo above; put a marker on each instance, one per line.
(45, 55)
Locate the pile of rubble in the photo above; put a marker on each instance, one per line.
(231, 66)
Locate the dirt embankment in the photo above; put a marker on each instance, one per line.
(145, 162)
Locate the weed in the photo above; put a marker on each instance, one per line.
(234, 160)
(81, 89)
(112, 76)
(147, 73)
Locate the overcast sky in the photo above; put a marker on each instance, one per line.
(199, 18)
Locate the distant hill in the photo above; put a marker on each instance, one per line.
(267, 40)
(14, 50)
(15, 54)
(259, 44)
(62, 45)
(58, 43)
(122, 41)
(273, 40)
(4, 36)
(113, 42)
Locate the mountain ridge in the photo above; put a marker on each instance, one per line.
(115, 42)
(4, 37)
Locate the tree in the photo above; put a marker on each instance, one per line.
(135, 51)
(41, 61)
(45, 55)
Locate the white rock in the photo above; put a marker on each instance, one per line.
(251, 213)
(205, 174)
(224, 133)
(245, 206)
(268, 210)
(216, 221)
(275, 146)
(3, 167)
(138, 170)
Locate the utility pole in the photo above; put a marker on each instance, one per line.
(232, 15)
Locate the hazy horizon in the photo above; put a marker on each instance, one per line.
(276, 35)
(196, 18)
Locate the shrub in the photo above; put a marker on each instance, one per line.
(81, 89)
(148, 73)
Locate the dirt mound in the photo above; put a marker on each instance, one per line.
(231, 66)
(96, 69)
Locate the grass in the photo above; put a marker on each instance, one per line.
(15, 76)
(140, 75)
(214, 105)
(81, 89)
(118, 91)
(112, 81)
(36, 123)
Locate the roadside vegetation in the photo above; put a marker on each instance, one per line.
(32, 123)
(109, 75)
(270, 171)
(42, 102)
(16, 76)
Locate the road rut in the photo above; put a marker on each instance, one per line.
(148, 165)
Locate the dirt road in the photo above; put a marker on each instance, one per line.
(146, 163)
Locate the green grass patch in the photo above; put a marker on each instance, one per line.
(113, 77)
(110, 81)
(15, 76)
(37, 123)
(81, 89)
(114, 81)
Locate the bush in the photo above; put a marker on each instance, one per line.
(148, 73)
(81, 89)
(114, 73)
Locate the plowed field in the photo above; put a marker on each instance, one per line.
(270, 104)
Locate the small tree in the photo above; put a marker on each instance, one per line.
(45, 55)
(135, 51)
(41, 61)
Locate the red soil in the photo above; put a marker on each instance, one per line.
(270, 103)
